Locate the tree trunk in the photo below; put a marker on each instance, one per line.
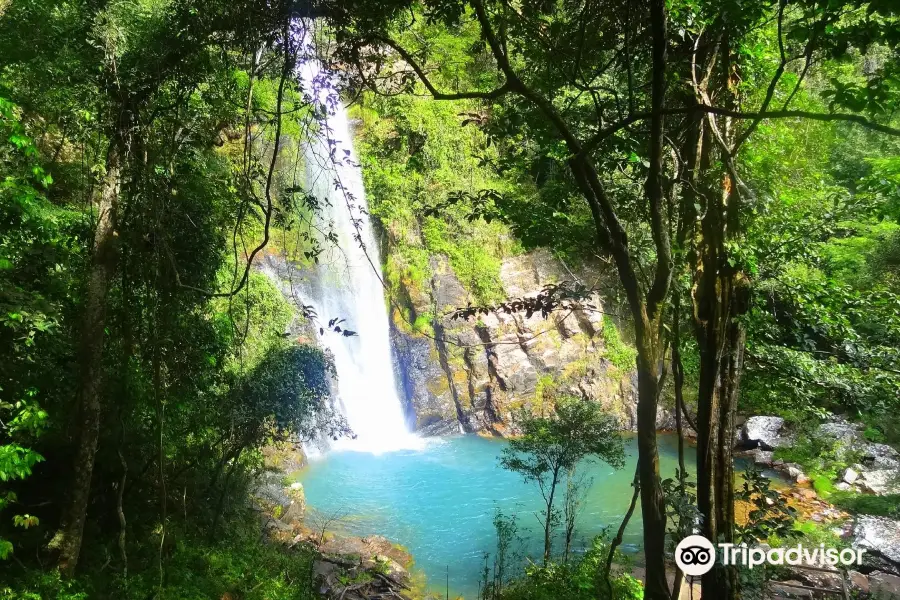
(68, 539)
(722, 357)
(648, 326)
(729, 382)
(678, 380)
(711, 317)
(617, 541)
(653, 509)
(720, 299)
(549, 518)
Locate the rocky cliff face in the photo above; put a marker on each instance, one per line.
(473, 375)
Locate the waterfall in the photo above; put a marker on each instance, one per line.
(348, 283)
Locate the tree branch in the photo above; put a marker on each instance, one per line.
(654, 191)
(770, 92)
(611, 129)
(438, 95)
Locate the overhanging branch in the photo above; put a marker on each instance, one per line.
(609, 130)
(435, 93)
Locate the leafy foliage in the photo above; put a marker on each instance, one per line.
(32, 241)
(883, 506)
(823, 458)
(413, 153)
(240, 564)
(769, 514)
(165, 113)
(553, 297)
(581, 580)
(552, 447)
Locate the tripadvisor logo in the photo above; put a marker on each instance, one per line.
(696, 555)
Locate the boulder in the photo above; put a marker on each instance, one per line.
(282, 505)
(806, 493)
(880, 456)
(882, 481)
(884, 586)
(819, 579)
(794, 471)
(858, 582)
(880, 537)
(850, 475)
(839, 429)
(764, 432)
(763, 458)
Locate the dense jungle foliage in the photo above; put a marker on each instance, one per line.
(731, 169)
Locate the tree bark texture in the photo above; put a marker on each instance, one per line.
(104, 258)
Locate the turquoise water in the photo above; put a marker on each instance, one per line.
(440, 502)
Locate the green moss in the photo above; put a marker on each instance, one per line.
(476, 267)
(423, 324)
(292, 478)
(821, 457)
(438, 386)
(823, 486)
(814, 534)
(544, 387)
(620, 354)
(883, 506)
(355, 578)
(414, 154)
(576, 368)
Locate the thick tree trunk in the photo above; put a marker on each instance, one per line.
(709, 469)
(68, 539)
(722, 357)
(653, 509)
(721, 298)
(648, 327)
(730, 372)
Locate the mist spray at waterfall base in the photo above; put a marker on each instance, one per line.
(348, 287)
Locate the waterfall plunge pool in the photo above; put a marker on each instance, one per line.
(439, 501)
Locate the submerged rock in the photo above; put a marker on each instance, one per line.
(763, 458)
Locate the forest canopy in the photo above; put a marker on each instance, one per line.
(732, 169)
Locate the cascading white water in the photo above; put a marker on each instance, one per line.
(348, 284)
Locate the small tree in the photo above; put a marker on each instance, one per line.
(551, 447)
(577, 486)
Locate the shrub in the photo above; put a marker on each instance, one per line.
(882, 506)
(618, 352)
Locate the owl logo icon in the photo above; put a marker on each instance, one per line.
(695, 555)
